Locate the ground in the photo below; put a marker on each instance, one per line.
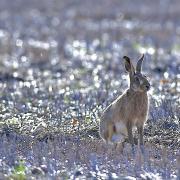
(61, 65)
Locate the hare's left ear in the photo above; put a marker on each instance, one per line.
(128, 65)
(139, 64)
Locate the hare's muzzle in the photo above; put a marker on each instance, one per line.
(148, 87)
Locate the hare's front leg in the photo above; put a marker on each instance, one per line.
(130, 135)
(140, 134)
(140, 129)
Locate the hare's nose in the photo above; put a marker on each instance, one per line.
(148, 87)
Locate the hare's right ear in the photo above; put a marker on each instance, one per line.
(139, 64)
(128, 65)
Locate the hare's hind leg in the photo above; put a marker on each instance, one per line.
(122, 146)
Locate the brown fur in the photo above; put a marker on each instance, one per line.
(128, 110)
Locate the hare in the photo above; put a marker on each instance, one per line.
(128, 110)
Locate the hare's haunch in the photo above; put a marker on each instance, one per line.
(128, 110)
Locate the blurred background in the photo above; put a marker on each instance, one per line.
(53, 31)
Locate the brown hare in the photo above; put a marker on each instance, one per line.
(128, 110)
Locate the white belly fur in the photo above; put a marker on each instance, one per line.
(118, 138)
(121, 128)
(121, 132)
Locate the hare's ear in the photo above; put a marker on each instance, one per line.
(139, 64)
(128, 65)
